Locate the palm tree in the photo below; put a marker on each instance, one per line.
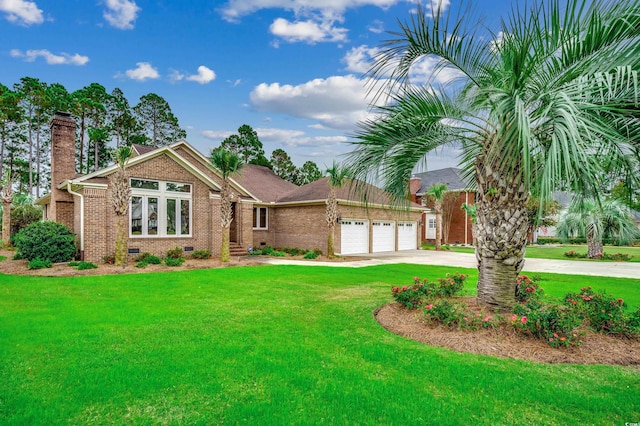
(545, 100)
(227, 163)
(6, 196)
(437, 191)
(337, 175)
(121, 194)
(595, 221)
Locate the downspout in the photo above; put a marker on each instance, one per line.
(466, 220)
(81, 218)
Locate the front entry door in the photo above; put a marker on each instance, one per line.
(233, 228)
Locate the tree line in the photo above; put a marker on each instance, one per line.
(104, 121)
(250, 150)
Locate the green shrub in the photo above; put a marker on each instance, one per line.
(527, 289)
(141, 264)
(175, 253)
(255, 253)
(201, 254)
(556, 324)
(317, 251)
(148, 258)
(73, 263)
(451, 284)
(310, 255)
(48, 240)
(603, 312)
(38, 263)
(266, 250)
(23, 215)
(278, 253)
(413, 296)
(86, 265)
(572, 254)
(173, 261)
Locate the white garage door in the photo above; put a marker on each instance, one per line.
(354, 236)
(384, 236)
(407, 235)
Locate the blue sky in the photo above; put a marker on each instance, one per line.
(291, 69)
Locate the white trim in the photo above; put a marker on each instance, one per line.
(256, 211)
(162, 195)
(81, 215)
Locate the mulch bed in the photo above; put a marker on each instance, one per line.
(504, 342)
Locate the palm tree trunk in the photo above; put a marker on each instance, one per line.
(6, 224)
(594, 247)
(438, 209)
(501, 236)
(121, 241)
(224, 255)
(330, 242)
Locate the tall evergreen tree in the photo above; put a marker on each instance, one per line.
(159, 124)
(283, 166)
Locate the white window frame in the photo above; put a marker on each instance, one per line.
(162, 195)
(431, 224)
(257, 218)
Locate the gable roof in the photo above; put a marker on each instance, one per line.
(263, 184)
(93, 178)
(451, 176)
(142, 149)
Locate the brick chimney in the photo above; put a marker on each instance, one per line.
(63, 167)
(414, 186)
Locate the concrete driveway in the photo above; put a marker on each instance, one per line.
(467, 260)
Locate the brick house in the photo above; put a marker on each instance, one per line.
(175, 202)
(459, 192)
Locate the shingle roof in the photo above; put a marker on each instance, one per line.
(143, 149)
(263, 183)
(452, 177)
(319, 190)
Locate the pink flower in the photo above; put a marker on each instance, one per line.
(404, 288)
(523, 320)
(620, 301)
(429, 307)
(555, 335)
(551, 339)
(514, 318)
(486, 319)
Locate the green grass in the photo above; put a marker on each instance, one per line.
(557, 252)
(2, 258)
(272, 345)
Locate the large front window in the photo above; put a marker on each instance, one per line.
(160, 209)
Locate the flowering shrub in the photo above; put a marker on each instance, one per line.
(572, 254)
(451, 284)
(554, 323)
(413, 296)
(618, 257)
(603, 312)
(527, 289)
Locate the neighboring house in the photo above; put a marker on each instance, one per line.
(175, 202)
(460, 222)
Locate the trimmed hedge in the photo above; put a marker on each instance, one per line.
(47, 241)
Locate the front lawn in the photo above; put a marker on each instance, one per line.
(273, 345)
(557, 252)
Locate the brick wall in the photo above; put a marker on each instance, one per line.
(457, 227)
(100, 220)
(306, 226)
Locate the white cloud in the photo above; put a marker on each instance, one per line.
(121, 13)
(359, 59)
(144, 71)
(235, 9)
(424, 71)
(175, 76)
(337, 102)
(234, 83)
(204, 76)
(433, 5)
(307, 31)
(377, 26)
(217, 135)
(51, 59)
(22, 12)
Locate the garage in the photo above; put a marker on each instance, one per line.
(407, 235)
(384, 236)
(354, 236)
